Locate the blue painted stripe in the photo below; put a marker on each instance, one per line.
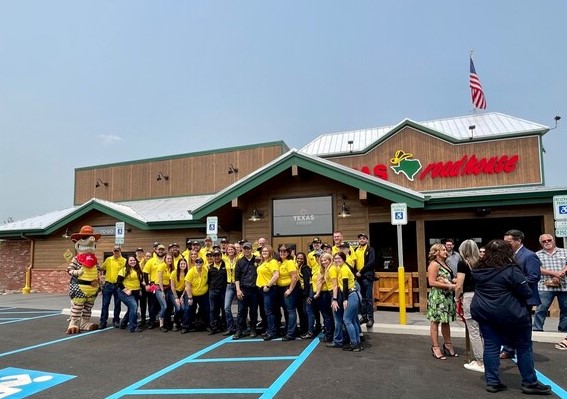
(32, 312)
(83, 334)
(29, 318)
(202, 391)
(554, 387)
(287, 374)
(131, 390)
(243, 359)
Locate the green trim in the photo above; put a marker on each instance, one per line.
(338, 173)
(281, 144)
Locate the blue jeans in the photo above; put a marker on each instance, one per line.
(269, 309)
(350, 318)
(519, 337)
(229, 295)
(546, 298)
(308, 305)
(367, 305)
(291, 308)
(338, 336)
(324, 306)
(131, 302)
(202, 302)
(108, 292)
(160, 296)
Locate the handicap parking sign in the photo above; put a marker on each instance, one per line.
(18, 383)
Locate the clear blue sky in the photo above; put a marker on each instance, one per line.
(87, 83)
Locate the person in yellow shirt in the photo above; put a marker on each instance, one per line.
(230, 262)
(110, 269)
(175, 252)
(150, 277)
(130, 280)
(323, 291)
(142, 259)
(208, 248)
(337, 241)
(311, 261)
(345, 303)
(163, 293)
(197, 291)
(268, 273)
(288, 290)
(177, 282)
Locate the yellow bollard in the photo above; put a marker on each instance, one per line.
(402, 294)
(27, 288)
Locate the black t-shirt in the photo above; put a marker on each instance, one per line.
(468, 285)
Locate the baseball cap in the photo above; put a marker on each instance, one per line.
(344, 245)
(224, 240)
(116, 248)
(246, 245)
(208, 238)
(139, 249)
(161, 246)
(325, 245)
(199, 260)
(363, 235)
(195, 242)
(217, 252)
(317, 239)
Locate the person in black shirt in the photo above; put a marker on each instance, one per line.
(246, 292)
(217, 289)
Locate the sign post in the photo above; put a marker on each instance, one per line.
(213, 227)
(400, 218)
(119, 234)
(560, 216)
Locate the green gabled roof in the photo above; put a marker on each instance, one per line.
(320, 166)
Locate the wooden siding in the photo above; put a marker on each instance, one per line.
(429, 149)
(191, 175)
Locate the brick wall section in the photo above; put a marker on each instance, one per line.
(14, 260)
(50, 281)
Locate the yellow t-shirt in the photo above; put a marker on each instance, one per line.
(131, 281)
(286, 268)
(178, 285)
(112, 266)
(360, 257)
(265, 272)
(151, 268)
(230, 268)
(327, 284)
(199, 281)
(333, 274)
(345, 272)
(165, 274)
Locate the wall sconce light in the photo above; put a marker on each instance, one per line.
(162, 176)
(256, 215)
(350, 143)
(66, 234)
(99, 183)
(232, 169)
(345, 211)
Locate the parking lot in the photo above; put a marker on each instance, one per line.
(38, 360)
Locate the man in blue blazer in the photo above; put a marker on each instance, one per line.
(531, 266)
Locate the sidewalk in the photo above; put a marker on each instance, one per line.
(386, 321)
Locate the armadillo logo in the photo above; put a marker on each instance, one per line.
(404, 164)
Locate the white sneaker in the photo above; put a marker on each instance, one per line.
(474, 366)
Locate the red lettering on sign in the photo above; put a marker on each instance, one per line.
(467, 166)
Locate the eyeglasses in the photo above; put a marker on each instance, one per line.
(546, 241)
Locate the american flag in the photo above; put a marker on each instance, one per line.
(476, 89)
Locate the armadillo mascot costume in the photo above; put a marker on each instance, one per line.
(84, 284)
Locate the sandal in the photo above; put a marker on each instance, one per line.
(435, 356)
(562, 346)
(448, 352)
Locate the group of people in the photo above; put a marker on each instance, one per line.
(324, 290)
(494, 290)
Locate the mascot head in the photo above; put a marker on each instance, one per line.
(85, 244)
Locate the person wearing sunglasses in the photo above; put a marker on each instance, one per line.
(553, 283)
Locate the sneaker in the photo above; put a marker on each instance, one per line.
(363, 320)
(237, 335)
(474, 366)
(347, 348)
(117, 325)
(496, 388)
(253, 334)
(267, 337)
(184, 331)
(357, 348)
(537, 388)
(333, 345)
(369, 323)
(227, 333)
(163, 329)
(307, 336)
(288, 338)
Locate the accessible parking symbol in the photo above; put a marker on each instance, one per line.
(18, 383)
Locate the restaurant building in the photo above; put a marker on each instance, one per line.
(465, 177)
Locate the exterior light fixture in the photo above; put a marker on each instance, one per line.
(232, 169)
(345, 211)
(99, 183)
(256, 215)
(161, 176)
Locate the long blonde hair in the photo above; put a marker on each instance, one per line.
(326, 255)
(469, 252)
